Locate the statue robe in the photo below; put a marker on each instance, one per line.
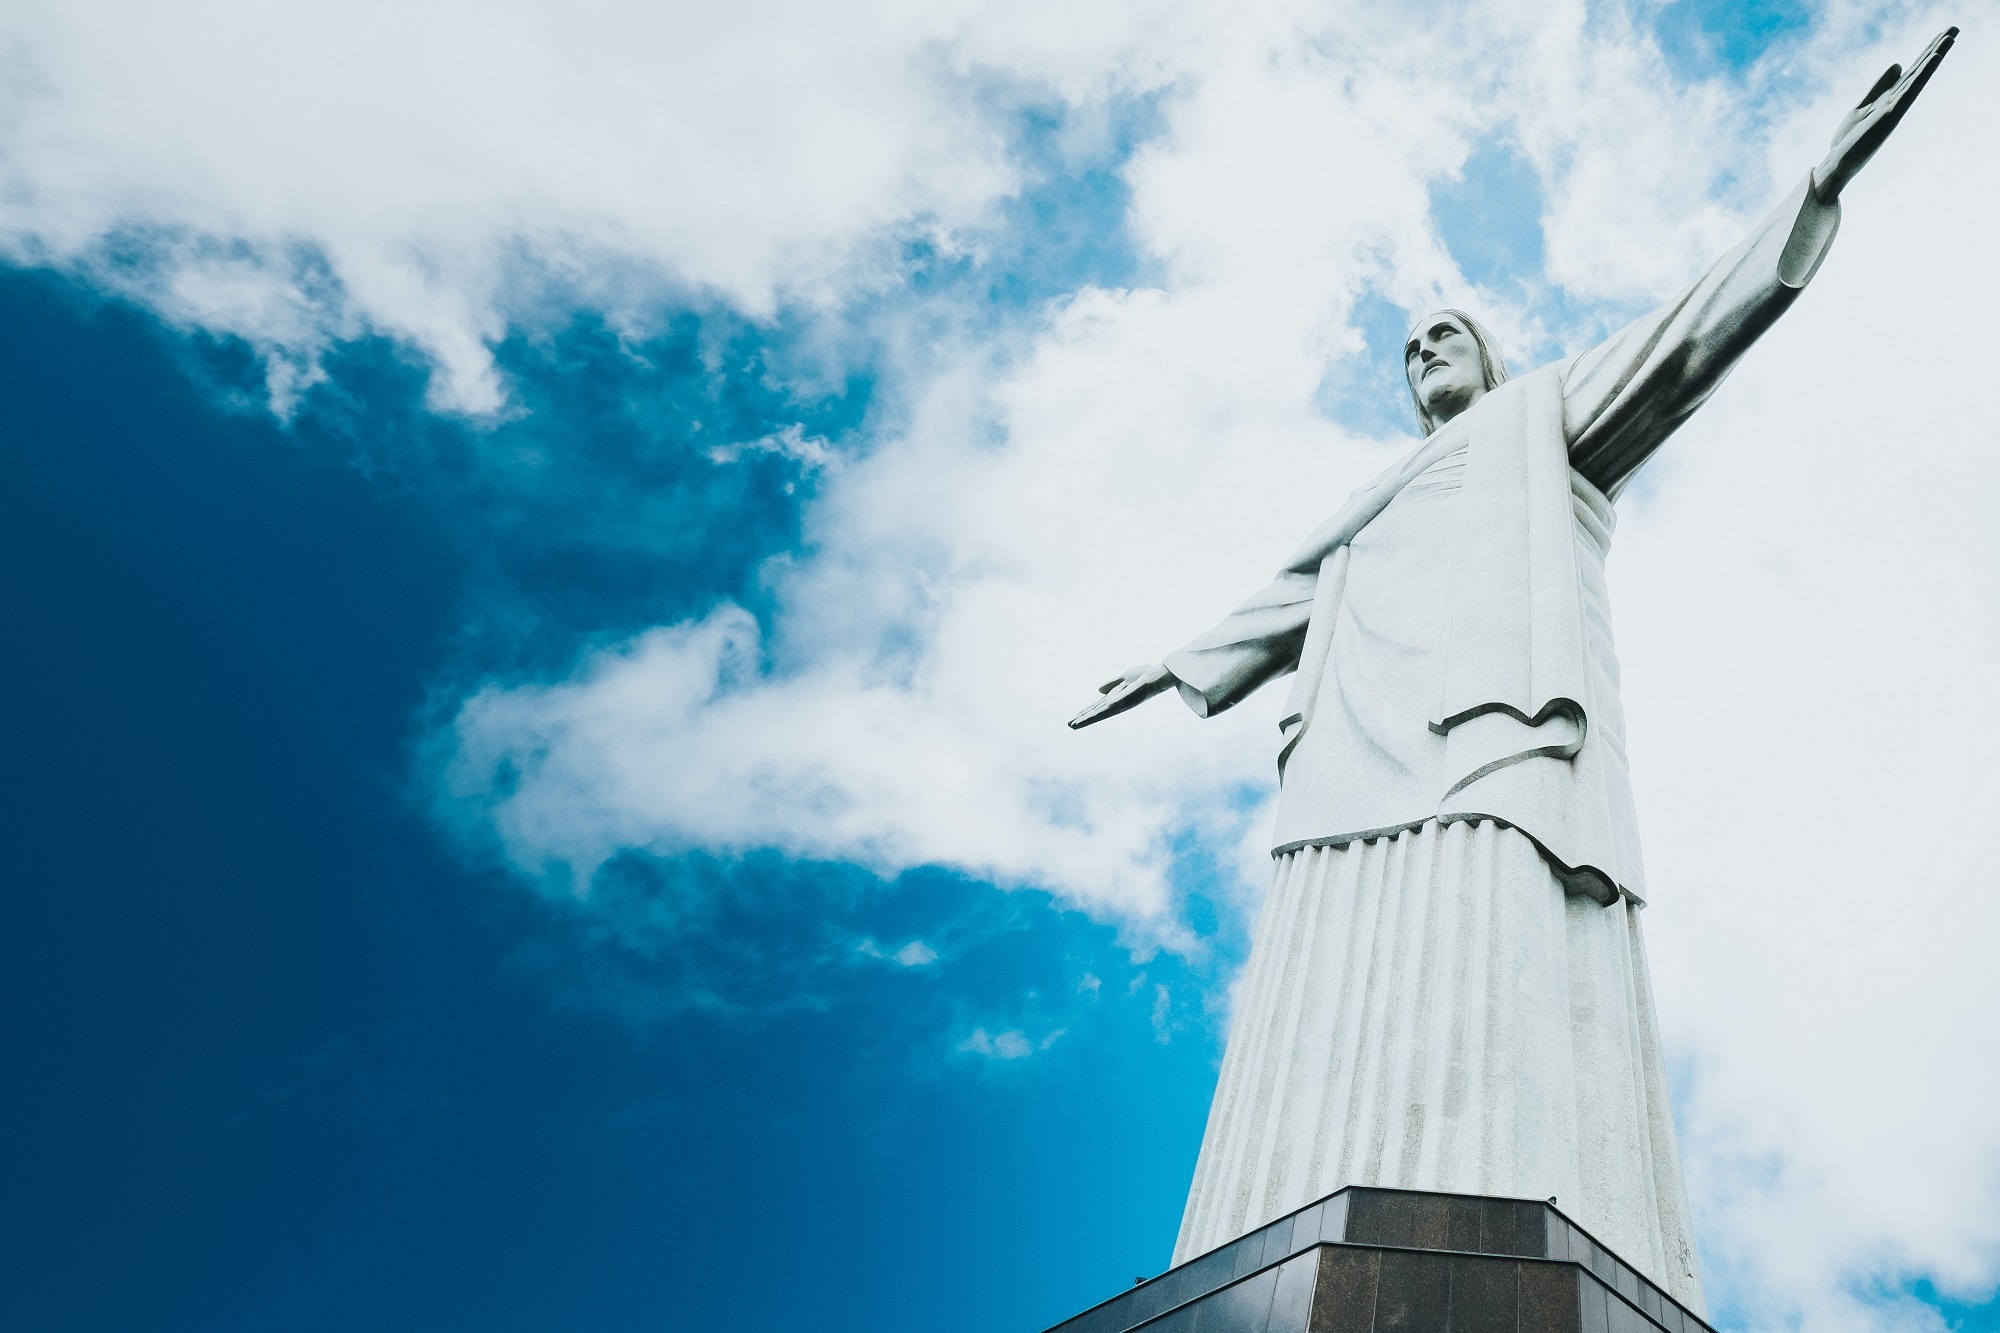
(1450, 624)
(1448, 989)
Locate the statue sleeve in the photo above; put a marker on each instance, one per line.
(1257, 642)
(1625, 396)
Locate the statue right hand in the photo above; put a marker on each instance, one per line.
(1865, 127)
(1137, 685)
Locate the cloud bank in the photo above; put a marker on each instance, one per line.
(1806, 579)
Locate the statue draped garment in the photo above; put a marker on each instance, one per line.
(1448, 988)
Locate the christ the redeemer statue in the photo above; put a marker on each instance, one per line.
(1448, 989)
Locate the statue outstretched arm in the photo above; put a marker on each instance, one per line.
(1264, 637)
(1624, 397)
(1257, 642)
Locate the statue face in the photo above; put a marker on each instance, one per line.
(1442, 361)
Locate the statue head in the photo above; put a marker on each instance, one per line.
(1451, 361)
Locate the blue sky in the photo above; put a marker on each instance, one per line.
(281, 1060)
(330, 1002)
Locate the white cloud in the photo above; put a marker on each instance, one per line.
(792, 442)
(1808, 584)
(916, 954)
(1009, 1045)
(297, 175)
(1012, 1044)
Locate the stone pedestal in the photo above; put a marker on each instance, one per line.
(1399, 1261)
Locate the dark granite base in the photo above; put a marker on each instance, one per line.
(1398, 1261)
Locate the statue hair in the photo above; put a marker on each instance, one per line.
(1491, 364)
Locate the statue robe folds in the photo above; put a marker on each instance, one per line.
(1448, 989)
(1450, 625)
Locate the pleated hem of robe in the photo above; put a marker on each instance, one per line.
(1431, 1011)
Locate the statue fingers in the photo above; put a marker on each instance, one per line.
(1940, 44)
(1087, 716)
(1108, 706)
(1129, 690)
(1918, 74)
(1926, 65)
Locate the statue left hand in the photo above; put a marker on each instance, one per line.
(1137, 685)
(1865, 127)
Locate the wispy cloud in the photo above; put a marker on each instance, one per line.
(914, 954)
(791, 442)
(1013, 1044)
(217, 161)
